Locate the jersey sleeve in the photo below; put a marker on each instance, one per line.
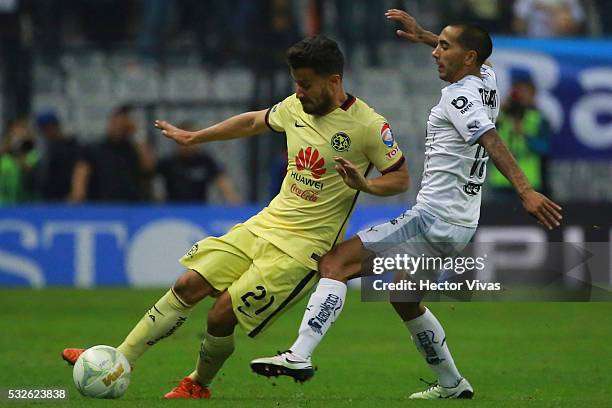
(381, 149)
(464, 108)
(277, 117)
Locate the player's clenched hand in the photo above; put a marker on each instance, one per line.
(542, 208)
(350, 174)
(180, 136)
(412, 31)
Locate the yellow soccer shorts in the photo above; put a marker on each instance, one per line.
(262, 280)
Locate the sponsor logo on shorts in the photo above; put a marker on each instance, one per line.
(308, 195)
(310, 159)
(192, 251)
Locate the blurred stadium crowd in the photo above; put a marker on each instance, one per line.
(83, 80)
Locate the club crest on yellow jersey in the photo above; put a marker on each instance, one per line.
(341, 142)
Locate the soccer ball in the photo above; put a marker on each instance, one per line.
(102, 372)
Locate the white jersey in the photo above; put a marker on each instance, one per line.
(455, 165)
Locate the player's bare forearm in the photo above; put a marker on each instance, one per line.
(394, 182)
(504, 161)
(430, 39)
(412, 31)
(537, 205)
(243, 125)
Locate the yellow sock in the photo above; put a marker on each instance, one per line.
(213, 353)
(161, 321)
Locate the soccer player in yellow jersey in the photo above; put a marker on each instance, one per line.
(261, 267)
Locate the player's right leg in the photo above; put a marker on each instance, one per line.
(324, 307)
(342, 263)
(168, 314)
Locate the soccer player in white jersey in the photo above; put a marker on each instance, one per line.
(461, 137)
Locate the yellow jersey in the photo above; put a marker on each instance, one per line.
(310, 213)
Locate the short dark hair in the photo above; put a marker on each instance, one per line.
(318, 52)
(474, 37)
(123, 110)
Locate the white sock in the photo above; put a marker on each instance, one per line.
(430, 339)
(323, 309)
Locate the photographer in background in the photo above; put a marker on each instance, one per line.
(57, 160)
(18, 159)
(118, 168)
(189, 172)
(526, 132)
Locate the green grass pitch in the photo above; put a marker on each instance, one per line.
(514, 354)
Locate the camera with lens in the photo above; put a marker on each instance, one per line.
(22, 146)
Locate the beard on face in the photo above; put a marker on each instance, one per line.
(318, 109)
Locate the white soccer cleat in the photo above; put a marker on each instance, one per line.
(462, 390)
(285, 363)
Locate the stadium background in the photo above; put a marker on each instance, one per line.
(82, 59)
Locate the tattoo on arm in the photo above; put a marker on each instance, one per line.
(430, 39)
(505, 162)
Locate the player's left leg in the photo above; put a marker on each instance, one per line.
(218, 343)
(437, 239)
(430, 340)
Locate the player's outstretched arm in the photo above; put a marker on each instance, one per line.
(391, 183)
(412, 31)
(538, 205)
(243, 125)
